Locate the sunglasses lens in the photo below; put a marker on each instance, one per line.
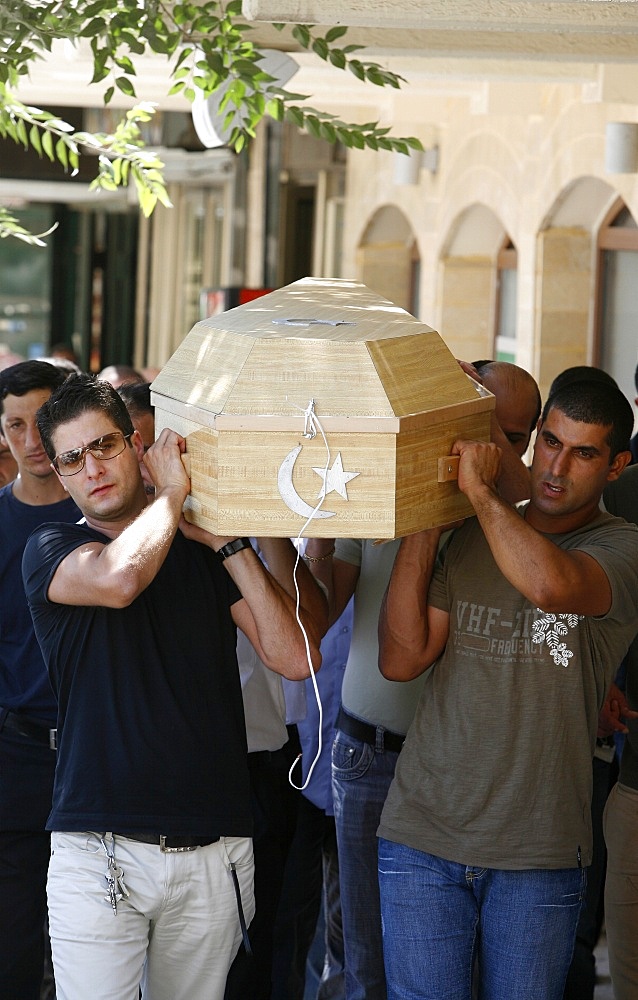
(70, 462)
(106, 447)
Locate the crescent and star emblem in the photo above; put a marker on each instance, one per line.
(335, 480)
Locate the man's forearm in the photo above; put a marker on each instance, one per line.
(551, 578)
(276, 634)
(114, 575)
(285, 566)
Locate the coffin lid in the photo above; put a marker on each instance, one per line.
(333, 345)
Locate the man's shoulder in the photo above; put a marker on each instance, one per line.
(18, 519)
(49, 542)
(60, 530)
(608, 529)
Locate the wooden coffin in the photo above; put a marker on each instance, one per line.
(319, 409)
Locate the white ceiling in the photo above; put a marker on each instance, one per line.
(598, 30)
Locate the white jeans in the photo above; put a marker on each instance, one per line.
(176, 934)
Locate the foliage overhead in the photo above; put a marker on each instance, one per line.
(208, 47)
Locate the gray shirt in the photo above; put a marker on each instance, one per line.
(366, 694)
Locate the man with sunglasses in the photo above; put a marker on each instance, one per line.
(27, 703)
(151, 869)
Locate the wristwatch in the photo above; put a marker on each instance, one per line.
(236, 545)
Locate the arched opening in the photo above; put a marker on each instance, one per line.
(566, 285)
(478, 287)
(388, 258)
(616, 340)
(506, 303)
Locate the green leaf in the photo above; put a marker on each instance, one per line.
(93, 28)
(184, 54)
(313, 126)
(338, 59)
(275, 108)
(124, 84)
(125, 63)
(327, 131)
(337, 32)
(295, 116)
(320, 48)
(61, 153)
(355, 67)
(22, 133)
(205, 25)
(301, 34)
(47, 145)
(108, 94)
(34, 136)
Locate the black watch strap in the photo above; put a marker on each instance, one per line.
(236, 545)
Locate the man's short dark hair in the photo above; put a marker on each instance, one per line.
(580, 373)
(80, 394)
(596, 401)
(18, 380)
(137, 398)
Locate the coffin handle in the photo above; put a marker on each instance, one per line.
(448, 469)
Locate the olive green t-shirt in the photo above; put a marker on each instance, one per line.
(621, 498)
(496, 768)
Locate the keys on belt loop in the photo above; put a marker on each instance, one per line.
(114, 879)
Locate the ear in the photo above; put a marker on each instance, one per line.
(138, 445)
(620, 462)
(61, 479)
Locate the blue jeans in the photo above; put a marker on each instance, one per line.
(361, 777)
(438, 916)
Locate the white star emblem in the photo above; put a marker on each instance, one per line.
(334, 479)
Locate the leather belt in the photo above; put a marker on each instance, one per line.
(33, 729)
(376, 736)
(169, 844)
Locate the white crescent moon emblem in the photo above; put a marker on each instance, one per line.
(288, 492)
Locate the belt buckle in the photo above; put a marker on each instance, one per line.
(53, 739)
(174, 850)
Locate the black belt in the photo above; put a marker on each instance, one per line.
(26, 725)
(169, 843)
(375, 736)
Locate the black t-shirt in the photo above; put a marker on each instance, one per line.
(151, 727)
(24, 685)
